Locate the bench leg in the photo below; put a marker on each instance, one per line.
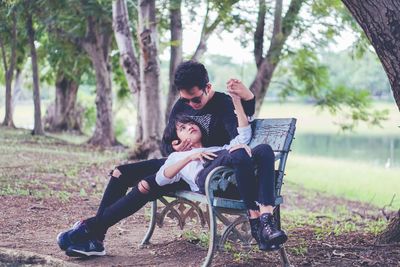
(284, 258)
(212, 238)
(152, 225)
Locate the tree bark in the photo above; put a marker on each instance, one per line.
(9, 73)
(150, 109)
(124, 41)
(176, 52)
(38, 127)
(17, 86)
(63, 114)
(97, 44)
(380, 20)
(392, 232)
(128, 59)
(259, 33)
(281, 31)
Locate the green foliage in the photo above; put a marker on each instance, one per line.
(311, 79)
(119, 79)
(119, 128)
(7, 11)
(196, 238)
(241, 256)
(89, 116)
(300, 249)
(377, 226)
(221, 68)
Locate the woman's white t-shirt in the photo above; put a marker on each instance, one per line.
(190, 171)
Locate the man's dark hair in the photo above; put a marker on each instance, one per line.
(190, 74)
(170, 133)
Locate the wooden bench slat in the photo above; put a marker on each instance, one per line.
(218, 201)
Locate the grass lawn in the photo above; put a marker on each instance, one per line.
(349, 179)
(345, 178)
(312, 120)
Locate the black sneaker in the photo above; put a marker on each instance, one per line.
(77, 234)
(269, 232)
(86, 249)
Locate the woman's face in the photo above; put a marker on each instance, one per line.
(189, 131)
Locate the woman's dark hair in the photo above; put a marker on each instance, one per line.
(190, 74)
(170, 132)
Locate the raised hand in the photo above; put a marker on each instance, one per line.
(236, 88)
(185, 145)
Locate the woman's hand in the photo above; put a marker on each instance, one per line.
(237, 88)
(185, 145)
(246, 147)
(202, 155)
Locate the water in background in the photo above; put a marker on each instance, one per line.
(379, 150)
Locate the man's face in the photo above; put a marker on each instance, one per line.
(195, 97)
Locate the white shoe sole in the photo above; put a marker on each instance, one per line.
(93, 253)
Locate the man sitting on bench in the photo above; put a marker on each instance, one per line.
(213, 109)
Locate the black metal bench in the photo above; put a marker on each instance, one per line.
(278, 133)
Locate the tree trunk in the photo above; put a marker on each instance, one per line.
(17, 86)
(150, 109)
(176, 52)
(281, 31)
(97, 45)
(128, 59)
(380, 20)
(63, 114)
(9, 73)
(124, 41)
(38, 128)
(392, 232)
(261, 82)
(8, 118)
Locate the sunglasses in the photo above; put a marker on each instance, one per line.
(194, 100)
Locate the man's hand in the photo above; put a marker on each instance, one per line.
(185, 145)
(202, 155)
(236, 87)
(246, 147)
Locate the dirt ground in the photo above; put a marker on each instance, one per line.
(28, 224)
(322, 230)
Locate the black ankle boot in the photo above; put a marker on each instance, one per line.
(269, 231)
(255, 233)
(255, 228)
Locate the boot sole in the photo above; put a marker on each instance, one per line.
(277, 240)
(270, 248)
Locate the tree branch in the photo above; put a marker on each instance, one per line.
(66, 36)
(201, 47)
(259, 33)
(277, 19)
(208, 30)
(286, 25)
